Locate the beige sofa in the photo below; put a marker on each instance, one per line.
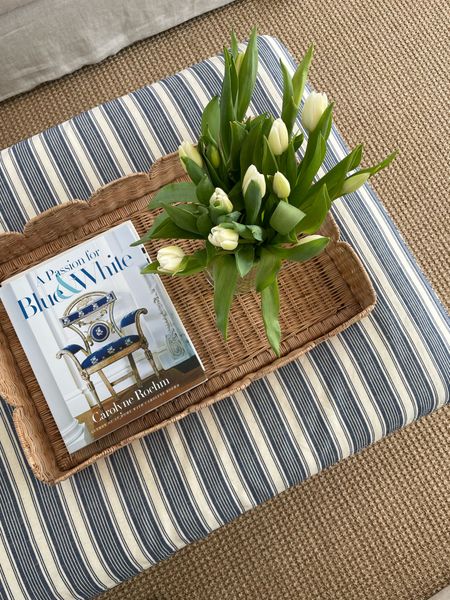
(42, 40)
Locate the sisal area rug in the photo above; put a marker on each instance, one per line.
(375, 526)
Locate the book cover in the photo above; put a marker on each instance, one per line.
(105, 343)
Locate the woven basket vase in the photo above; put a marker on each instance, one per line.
(318, 298)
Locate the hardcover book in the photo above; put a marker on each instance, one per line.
(105, 343)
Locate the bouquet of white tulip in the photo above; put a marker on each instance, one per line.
(249, 198)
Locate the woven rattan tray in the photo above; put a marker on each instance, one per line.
(319, 299)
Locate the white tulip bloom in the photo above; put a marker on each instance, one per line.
(188, 150)
(314, 107)
(354, 182)
(252, 174)
(220, 200)
(278, 137)
(224, 238)
(281, 185)
(170, 258)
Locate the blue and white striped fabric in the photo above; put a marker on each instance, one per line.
(131, 510)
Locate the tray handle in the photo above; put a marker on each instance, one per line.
(12, 387)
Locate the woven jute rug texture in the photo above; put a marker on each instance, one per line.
(375, 526)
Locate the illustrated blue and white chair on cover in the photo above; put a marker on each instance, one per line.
(91, 316)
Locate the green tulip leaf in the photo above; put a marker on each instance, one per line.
(288, 90)
(308, 170)
(335, 177)
(172, 193)
(354, 158)
(168, 230)
(234, 81)
(298, 141)
(204, 190)
(301, 75)
(238, 135)
(207, 141)
(228, 218)
(270, 204)
(204, 224)
(211, 252)
(211, 120)
(266, 125)
(244, 259)
(247, 232)
(184, 216)
(326, 121)
(256, 231)
(289, 109)
(232, 225)
(214, 175)
(235, 195)
(247, 76)
(225, 278)
(160, 221)
(285, 217)
(323, 129)
(253, 122)
(216, 215)
(252, 201)
(268, 266)
(193, 263)
(269, 162)
(338, 190)
(291, 164)
(381, 165)
(194, 171)
(304, 250)
(151, 268)
(270, 308)
(248, 147)
(316, 212)
(227, 112)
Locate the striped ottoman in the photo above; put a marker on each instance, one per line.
(147, 500)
